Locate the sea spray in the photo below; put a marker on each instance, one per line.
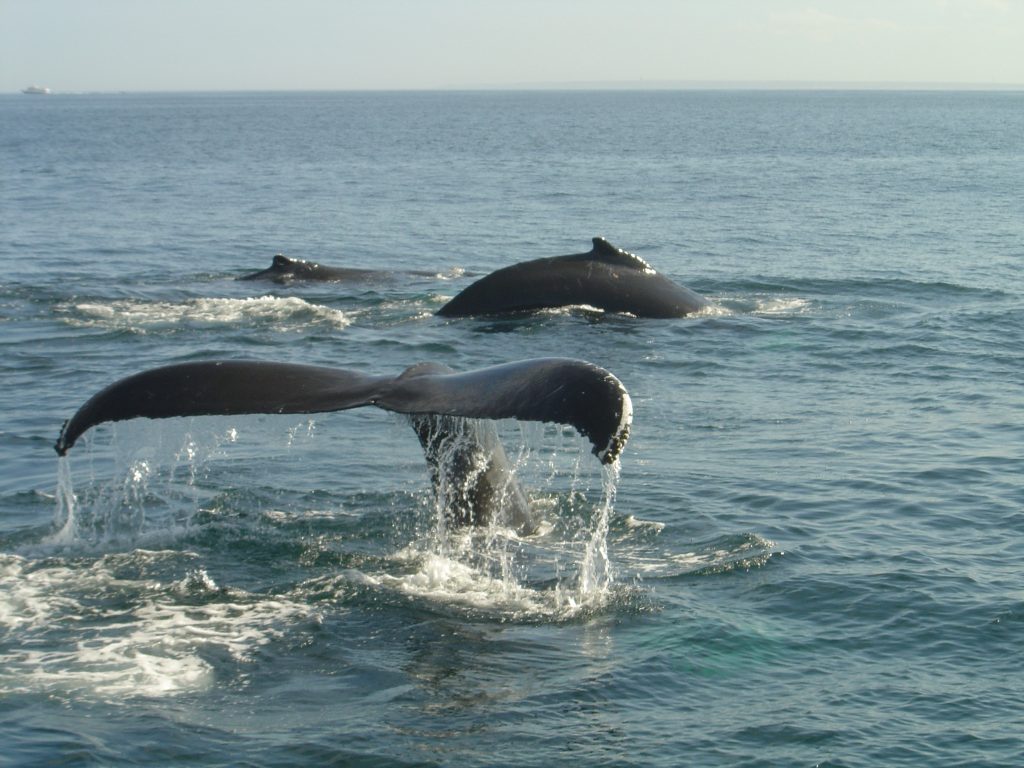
(596, 575)
(154, 486)
(67, 503)
(114, 511)
(557, 566)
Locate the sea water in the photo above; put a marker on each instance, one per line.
(811, 553)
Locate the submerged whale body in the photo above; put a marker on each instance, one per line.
(606, 277)
(284, 269)
(450, 412)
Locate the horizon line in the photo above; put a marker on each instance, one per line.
(603, 85)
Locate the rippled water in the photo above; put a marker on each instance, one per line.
(811, 552)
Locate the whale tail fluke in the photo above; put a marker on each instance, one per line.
(557, 390)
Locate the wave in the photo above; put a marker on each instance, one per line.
(284, 313)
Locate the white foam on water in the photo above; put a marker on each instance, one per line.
(713, 309)
(449, 581)
(782, 306)
(25, 599)
(722, 555)
(572, 309)
(729, 306)
(286, 312)
(85, 633)
(633, 522)
(451, 273)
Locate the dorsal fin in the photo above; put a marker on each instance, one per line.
(280, 260)
(610, 254)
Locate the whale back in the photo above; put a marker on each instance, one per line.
(284, 269)
(605, 278)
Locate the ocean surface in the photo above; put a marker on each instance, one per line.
(811, 554)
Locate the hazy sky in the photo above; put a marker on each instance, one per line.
(146, 45)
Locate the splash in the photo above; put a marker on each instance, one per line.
(595, 573)
(515, 563)
(153, 491)
(521, 535)
(65, 517)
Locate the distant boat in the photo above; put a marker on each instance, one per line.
(37, 90)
